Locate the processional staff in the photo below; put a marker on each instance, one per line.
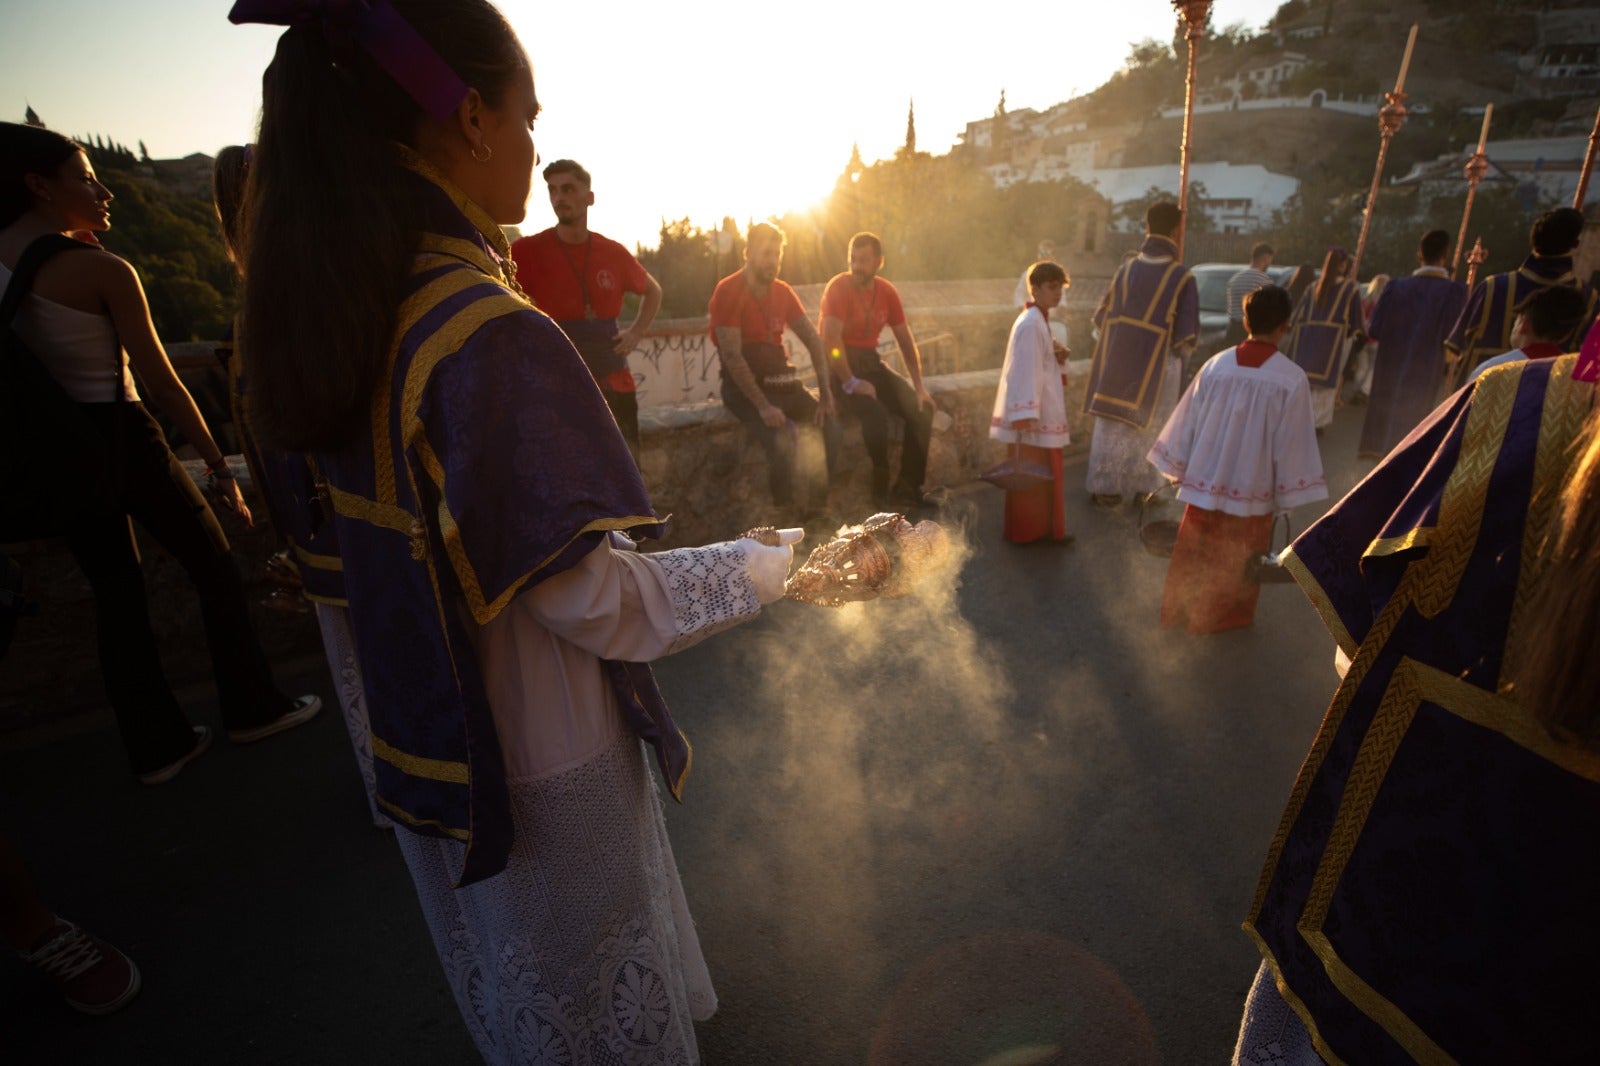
(1588, 165)
(1390, 118)
(1475, 259)
(1195, 13)
(1476, 168)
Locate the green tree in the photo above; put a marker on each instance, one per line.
(172, 240)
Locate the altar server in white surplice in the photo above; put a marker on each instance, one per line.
(1242, 447)
(1030, 411)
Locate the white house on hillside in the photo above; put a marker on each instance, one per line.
(1239, 199)
(1546, 167)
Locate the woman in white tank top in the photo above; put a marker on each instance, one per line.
(86, 320)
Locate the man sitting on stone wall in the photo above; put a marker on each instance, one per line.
(749, 311)
(856, 306)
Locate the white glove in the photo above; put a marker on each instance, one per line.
(768, 567)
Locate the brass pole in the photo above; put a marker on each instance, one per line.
(1588, 165)
(1194, 13)
(1476, 168)
(1390, 118)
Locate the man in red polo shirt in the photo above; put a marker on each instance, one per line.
(578, 278)
(749, 312)
(856, 306)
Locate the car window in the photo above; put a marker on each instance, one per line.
(1213, 286)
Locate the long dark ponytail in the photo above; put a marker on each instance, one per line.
(330, 222)
(1333, 267)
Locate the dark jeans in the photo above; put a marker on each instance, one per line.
(1236, 334)
(783, 446)
(156, 493)
(895, 396)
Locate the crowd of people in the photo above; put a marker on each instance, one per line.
(447, 440)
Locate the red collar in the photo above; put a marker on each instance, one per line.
(1542, 350)
(1253, 353)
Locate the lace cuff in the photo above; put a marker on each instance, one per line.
(711, 590)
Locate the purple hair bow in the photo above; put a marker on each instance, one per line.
(381, 32)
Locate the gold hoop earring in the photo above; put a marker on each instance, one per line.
(488, 153)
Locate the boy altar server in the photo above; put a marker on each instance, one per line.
(1030, 411)
(1242, 447)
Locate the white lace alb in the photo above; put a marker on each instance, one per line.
(581, 951)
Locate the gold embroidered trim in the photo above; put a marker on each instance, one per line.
(1164, 344)
(1320, 600)
(1377, 1007)
(676, 787)
(370, 511)
(484, 611)
(1338, 319)
(465, 251)
(1502, 714)
(444, 342)
(1465, 495)
(448, 771)
(1566, 405)
(1428, 584)
(1361, 662)
(1420, 537)
(1296, 1004)
(1413, 684)
(479, 218)
(404, 816)
(1393, 718)
(412, 309)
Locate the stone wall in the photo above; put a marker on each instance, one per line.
(702, 468)
(698, 462)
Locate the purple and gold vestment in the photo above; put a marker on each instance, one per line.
(1151, 309)
(1319, 330)
(1429, 893)
(491, 465)
(1484, 328)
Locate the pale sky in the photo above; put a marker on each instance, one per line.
(698, 109)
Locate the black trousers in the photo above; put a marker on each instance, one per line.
(625, 409)
(783, 446)
(156, 493)
(895, 396)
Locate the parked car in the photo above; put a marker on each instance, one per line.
(1212, 281)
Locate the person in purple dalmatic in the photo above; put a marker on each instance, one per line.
(1411, 319)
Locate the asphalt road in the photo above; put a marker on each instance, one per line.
(1009, 821)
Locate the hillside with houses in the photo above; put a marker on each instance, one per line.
(1285, 137)
(1285, 119)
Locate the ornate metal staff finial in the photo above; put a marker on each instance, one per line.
(1475, 259)
(1390, 118)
